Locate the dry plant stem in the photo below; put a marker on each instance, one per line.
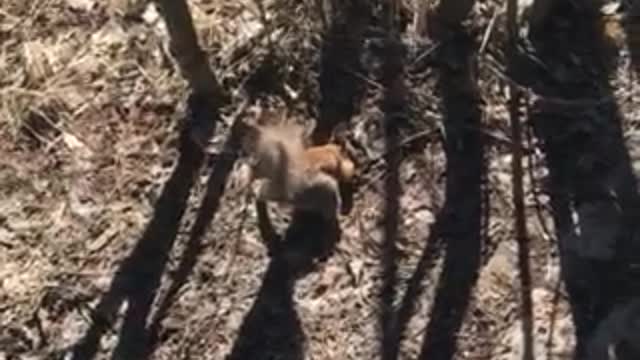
(236, 239)
(487, 33)
(554, 313)
(518, 190)
(426, 53)
(534, 183)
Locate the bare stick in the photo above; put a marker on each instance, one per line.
(186, 50)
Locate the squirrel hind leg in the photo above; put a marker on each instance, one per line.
(347, 170)
(322, 196)
(268, 191)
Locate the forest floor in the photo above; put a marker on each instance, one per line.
(119, 240)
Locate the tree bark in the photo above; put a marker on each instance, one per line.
(206, 94)
(186, 50)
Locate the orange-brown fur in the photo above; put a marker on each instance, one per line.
(289, 172)
(330, 159)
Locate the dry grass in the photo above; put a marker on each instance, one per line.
(90, 107)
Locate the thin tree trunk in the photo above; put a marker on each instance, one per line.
(186, 50)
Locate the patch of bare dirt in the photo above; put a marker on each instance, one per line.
(119, 239)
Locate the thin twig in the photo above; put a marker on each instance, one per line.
(236, 239)
(489, 31)
(520, 223)
(582, 102)
(534, 181)
(500, 138)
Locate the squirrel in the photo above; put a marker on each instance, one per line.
(288, 171)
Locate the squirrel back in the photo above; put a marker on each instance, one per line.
(289, 172)
(329, 159)
(321, 194)
(277, 155)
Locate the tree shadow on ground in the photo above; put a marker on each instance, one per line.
(594, 199)
(206, 213)
(459, 227)
(137, 280)
(460, 223)
(394, 109)
(340, 78)
(271, 329)
(631, 27)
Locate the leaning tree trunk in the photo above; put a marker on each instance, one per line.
(193, 64)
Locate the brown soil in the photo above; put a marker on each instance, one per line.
(119, 239)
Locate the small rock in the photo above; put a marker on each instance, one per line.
(356, 268)
(84, 5)
(82, 207)
(425, 216)
(150, 14)
(610, 8)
